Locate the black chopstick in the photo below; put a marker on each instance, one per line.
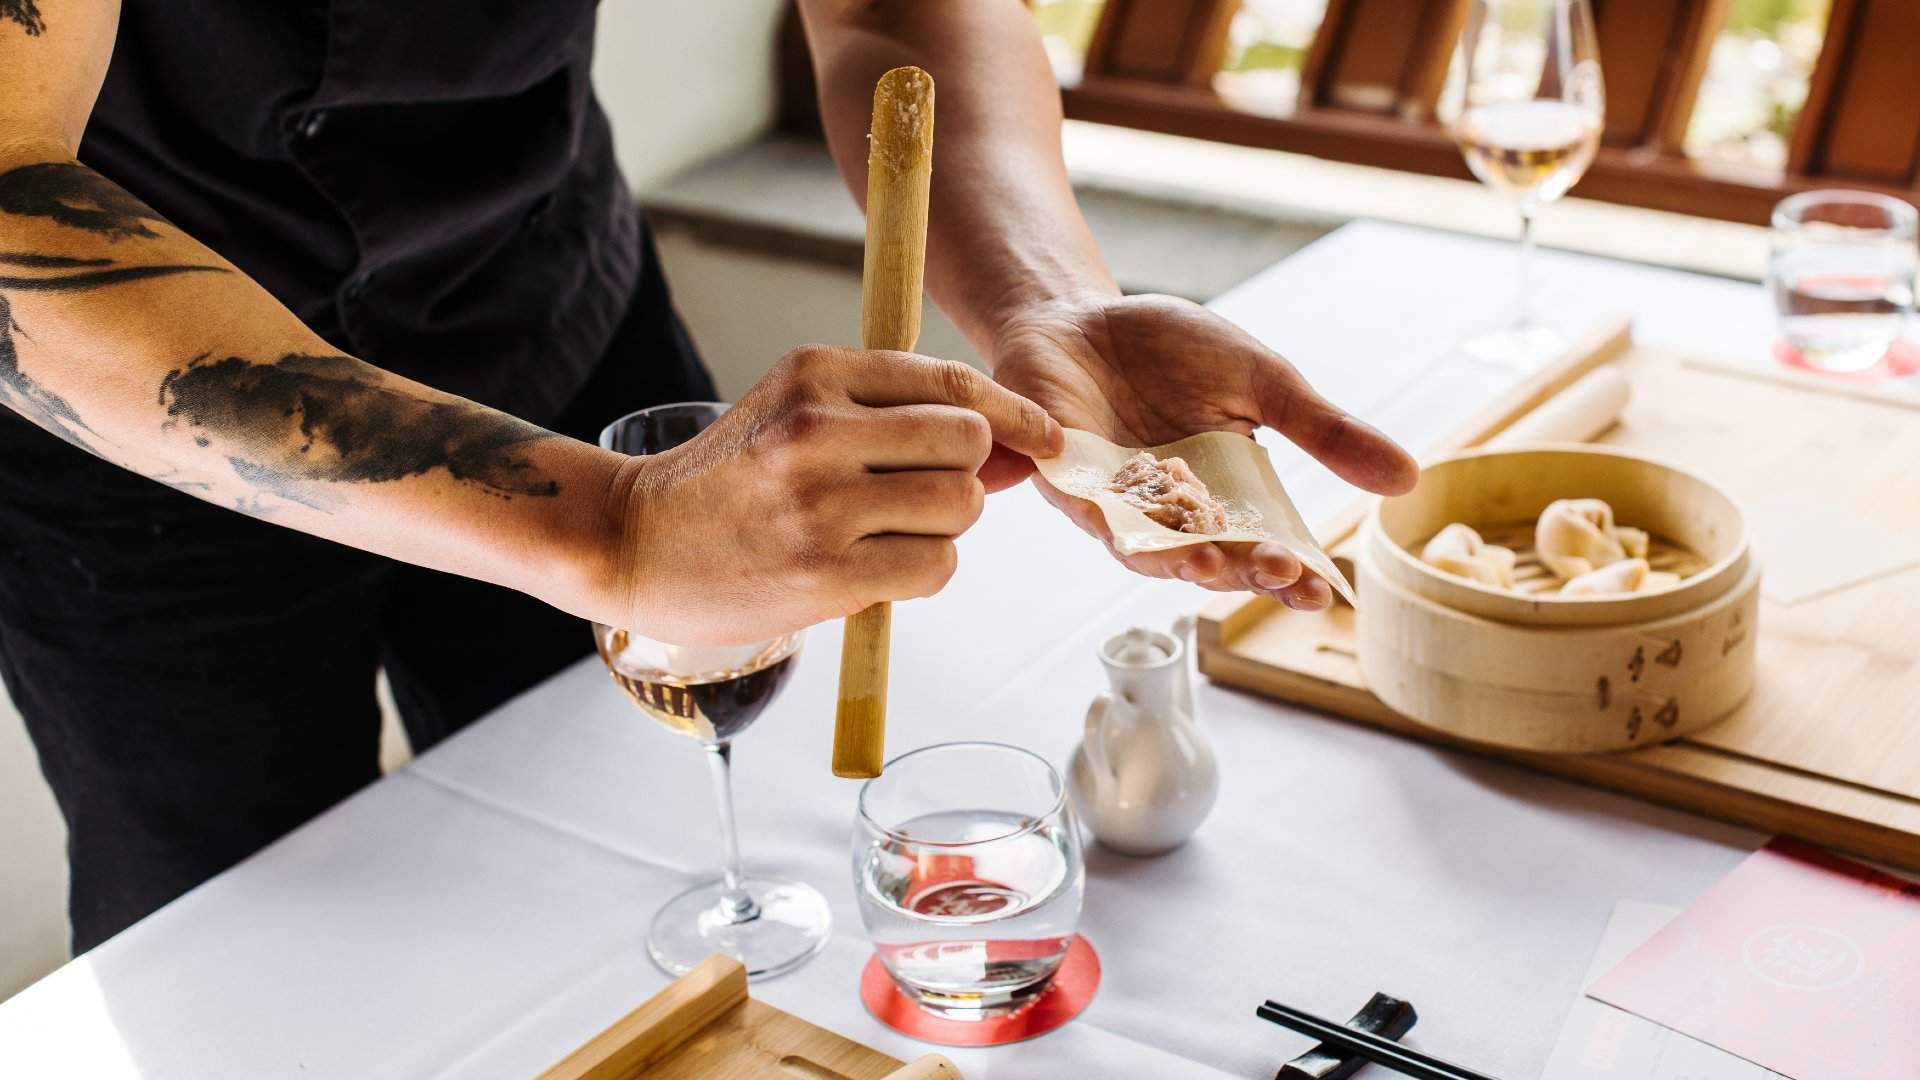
(1384, 1052)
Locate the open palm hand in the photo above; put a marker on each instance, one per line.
(1144, 370)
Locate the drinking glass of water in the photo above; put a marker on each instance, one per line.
(1842, 273)
(968, 869)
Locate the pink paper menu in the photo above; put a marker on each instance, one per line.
(1799, 961)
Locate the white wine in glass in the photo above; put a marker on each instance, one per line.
(1527, 102)
(712, 694)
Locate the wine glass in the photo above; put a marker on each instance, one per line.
(1527, 104)
(968, 870)
(712, 694)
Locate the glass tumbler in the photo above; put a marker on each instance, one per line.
(1841, 274)
(969, 874)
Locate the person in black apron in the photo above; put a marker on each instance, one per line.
(423, 289)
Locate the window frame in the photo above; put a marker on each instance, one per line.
(1373, 75)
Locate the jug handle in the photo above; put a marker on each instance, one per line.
(1094, 743)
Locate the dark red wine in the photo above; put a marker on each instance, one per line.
(713, 707)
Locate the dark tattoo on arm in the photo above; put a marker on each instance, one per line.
(49, 262)
(303, 420)
(26, 13)
(94, 279)
(288, 428)
(73, 195)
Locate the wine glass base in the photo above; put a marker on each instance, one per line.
(791, 926)
(1522, 348)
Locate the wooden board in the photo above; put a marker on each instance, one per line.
(1828, 746)
(705, 1026)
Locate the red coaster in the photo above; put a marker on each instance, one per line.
(1070, 991)
(1902, 360)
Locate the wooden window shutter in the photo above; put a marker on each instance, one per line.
(1653, 53)
(1861, 122)
(1175, 42)
(1387, 57)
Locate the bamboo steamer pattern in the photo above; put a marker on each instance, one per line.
(1534, 670)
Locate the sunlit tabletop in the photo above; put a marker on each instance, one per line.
(483, 911)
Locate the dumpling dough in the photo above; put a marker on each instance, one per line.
(1626, 576)
(1578, 536)
(1458, 550)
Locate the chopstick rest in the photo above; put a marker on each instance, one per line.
(1237, 471)
(1388, 1017)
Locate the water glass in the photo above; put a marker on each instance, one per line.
(1842, 274)
(968, 870)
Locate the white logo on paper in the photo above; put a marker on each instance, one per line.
(1799, 956)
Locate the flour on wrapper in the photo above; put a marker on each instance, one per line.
(1237, 473)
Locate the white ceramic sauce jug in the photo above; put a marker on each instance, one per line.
(1144, 777)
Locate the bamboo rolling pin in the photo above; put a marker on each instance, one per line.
(1580, 413)
(899, 174)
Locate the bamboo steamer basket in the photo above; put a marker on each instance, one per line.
(1534, 670)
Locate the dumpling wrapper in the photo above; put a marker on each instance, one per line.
(1238, 473)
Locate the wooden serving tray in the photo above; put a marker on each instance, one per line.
(1827, 747)
(705, 1027)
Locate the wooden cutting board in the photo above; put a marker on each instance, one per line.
(1828, 746)
(703, 1026)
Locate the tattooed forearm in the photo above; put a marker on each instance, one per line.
(26, 13)
(291, 429)
(73, 195)
(303, 420)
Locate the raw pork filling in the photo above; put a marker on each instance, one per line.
(1168, 493)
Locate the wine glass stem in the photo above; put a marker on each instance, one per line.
(735, 904)
(1523, 302)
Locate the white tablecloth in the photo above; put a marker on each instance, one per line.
(482, 912)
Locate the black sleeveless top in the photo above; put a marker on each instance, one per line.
(430, 185)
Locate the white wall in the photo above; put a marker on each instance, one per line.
(681, 80)
(744, 310)
(33, 864)
(684, 79)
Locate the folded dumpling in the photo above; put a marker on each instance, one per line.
(1626, 576)
(1578, 536)
(1457, 549)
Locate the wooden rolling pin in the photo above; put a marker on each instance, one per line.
(1580, 413)
(899, 175)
